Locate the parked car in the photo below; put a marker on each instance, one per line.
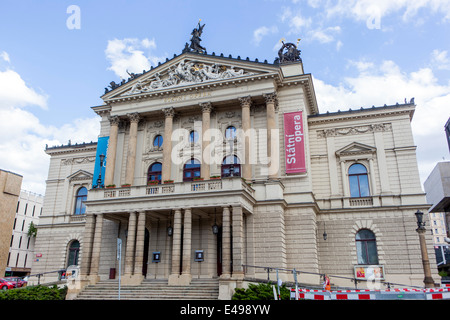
(18, 282)
(4, 284)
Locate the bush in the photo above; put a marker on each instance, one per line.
(262, 291)
(35, 293)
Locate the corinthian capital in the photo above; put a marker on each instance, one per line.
(169, 112)
(245, 101)
(134, 117)
(114, 120)
(206, 106)
(270, 97)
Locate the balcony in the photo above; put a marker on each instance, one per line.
(182, 194)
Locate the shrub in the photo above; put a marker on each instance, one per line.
(261, 291)
(35, 293)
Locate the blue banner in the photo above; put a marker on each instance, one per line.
(102, 147)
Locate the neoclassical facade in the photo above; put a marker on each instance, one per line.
(218, 167)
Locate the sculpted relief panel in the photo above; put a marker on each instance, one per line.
(185, 73)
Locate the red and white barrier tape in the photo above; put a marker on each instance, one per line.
(309, 294)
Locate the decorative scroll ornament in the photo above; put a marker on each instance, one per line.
(185, 73)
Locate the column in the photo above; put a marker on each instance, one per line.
(246, 167)
(88, 237)
(131, 238)
(272, 149)
(132, 142)
(238, 242)
(167, 143)
(140, 239)
(176, 244)
(226, 243)
(206, 139)
(97, 245)
(345, 182)
(112, 149)
(187, 234)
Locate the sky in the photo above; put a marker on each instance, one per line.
(57, 57)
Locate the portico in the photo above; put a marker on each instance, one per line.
(223, 253)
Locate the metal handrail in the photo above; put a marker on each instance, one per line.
(298, 272)
(38, 275)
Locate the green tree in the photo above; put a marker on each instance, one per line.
(261, 291)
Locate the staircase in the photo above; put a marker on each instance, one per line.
(199, 289)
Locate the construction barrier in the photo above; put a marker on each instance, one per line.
(391, 294)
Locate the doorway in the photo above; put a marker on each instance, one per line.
(219, 252)
(146, 245)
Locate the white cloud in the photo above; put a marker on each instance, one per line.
(324, 35)
(14, 91)
(259, 33)
(297, 23)
(23, 137)
(387, 84)
(131, 54)
(4, 56)
(362, 10)
(440, 60)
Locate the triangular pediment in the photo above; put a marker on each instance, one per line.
(355, 148)
(80, 175)
(188, 70)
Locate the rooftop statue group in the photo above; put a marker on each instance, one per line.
(186, 72)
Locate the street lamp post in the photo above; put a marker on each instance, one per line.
(99, 180)
(428, 280)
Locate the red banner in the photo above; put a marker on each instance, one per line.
(294, 143)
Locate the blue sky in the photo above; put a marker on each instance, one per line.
(360, 53)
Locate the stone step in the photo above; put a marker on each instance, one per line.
(152, 289)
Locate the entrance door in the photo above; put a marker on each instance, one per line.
(219, 252)
(146, 244)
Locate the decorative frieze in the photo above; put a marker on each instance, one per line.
(72, 161)
(334, 132)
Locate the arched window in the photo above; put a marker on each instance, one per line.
(366, 247)
(158, 141)
(80, 207)
(230, 132)
(191, 170)
(193, 136)
(231, 167)
(359, 181)
(154, 172)
(74, 250)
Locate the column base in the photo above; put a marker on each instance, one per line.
(131, 280)
(179, 280)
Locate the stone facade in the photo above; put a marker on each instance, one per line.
(266, 217)
(10, 184)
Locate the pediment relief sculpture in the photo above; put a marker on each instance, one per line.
(185, 73)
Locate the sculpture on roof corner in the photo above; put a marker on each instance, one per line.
(288, 53)
(195, 40)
